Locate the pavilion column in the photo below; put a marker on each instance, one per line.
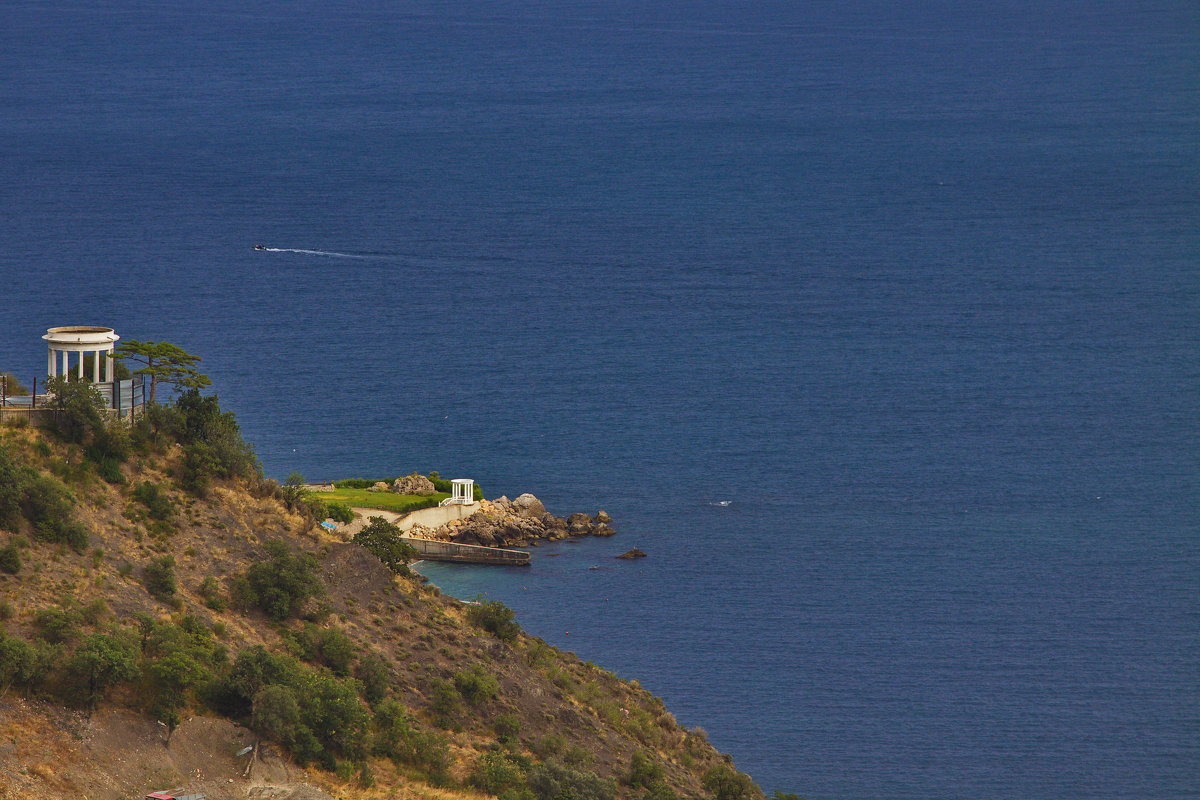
(66, 364)
(79, 369)
(50, 364)
(96, 356)
(108, 366)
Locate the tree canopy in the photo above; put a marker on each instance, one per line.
(164, 363)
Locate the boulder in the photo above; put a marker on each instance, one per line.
(579, 523)
(414, 484)
(529, 506)
(601, 529)
(379, 486)
(602, 516)
(634, 553)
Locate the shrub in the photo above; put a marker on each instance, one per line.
(210, 590)
(159, 577)
(382, 538)
(726, 783)
(446, 704)
(339, 512)
(643, 769)
(281, 584)
(10, 559)
(328, 646)
(398, 738)
(12, 479)
(476, 685)
(47, 504)
(549, 746)
(375, 677)
(77, 407)
(18, 662)
(94, 611)
(57, 624)
(212, 442)
(506, 726)
(495, 618)
(551, 781)
(100, 662)
(156, 501)
(498, 772)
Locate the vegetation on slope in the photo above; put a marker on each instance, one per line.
(151, 566)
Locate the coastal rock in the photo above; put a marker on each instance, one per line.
(516, 523)
(602, 516)
(379, 486)
(579, 523)
(529, 506)
(634, 553)
(413, 484)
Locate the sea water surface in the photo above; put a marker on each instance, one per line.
(874, 324)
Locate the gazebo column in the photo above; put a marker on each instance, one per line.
(108, 367)
(79, 369)
(51, 365)
(66, 364)
(96, 356)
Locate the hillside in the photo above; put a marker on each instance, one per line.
(164, 606)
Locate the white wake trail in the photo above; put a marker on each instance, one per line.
(328, 253)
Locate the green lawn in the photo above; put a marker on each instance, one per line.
(387, 501)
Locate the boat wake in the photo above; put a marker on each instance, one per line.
(327, 253)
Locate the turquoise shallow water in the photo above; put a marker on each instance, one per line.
(913, 287)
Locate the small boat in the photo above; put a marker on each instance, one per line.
(260, 247)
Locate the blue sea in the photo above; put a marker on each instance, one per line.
(874, 324)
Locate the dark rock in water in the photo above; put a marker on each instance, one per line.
(634, 553)
(602, 516)
(579, 523)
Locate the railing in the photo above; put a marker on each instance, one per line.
(435, 550)
(124, 397)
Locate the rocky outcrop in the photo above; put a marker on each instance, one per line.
(516, 523)
(414, 484)
(379, 486)
(634, 553)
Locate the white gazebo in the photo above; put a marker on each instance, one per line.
(462, 492)
(81, 339)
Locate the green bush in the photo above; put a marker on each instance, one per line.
(158, 504)
(397, 737)
(382, 538)
(375, 676)
(643, 770)
(497, 772)
(18, 663)
(210, 590)
(158, 577)
(10, 559)
(726, 783)
(213, 447)
(100, 662)
(47, 504)
(57, 624)
(476, 685)
(495, 618)
(507, 726)
(282, 583)
(339, 512)
(327, 646)
(76, 407)
(446, 704)
(357, 483)
(552, 781)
